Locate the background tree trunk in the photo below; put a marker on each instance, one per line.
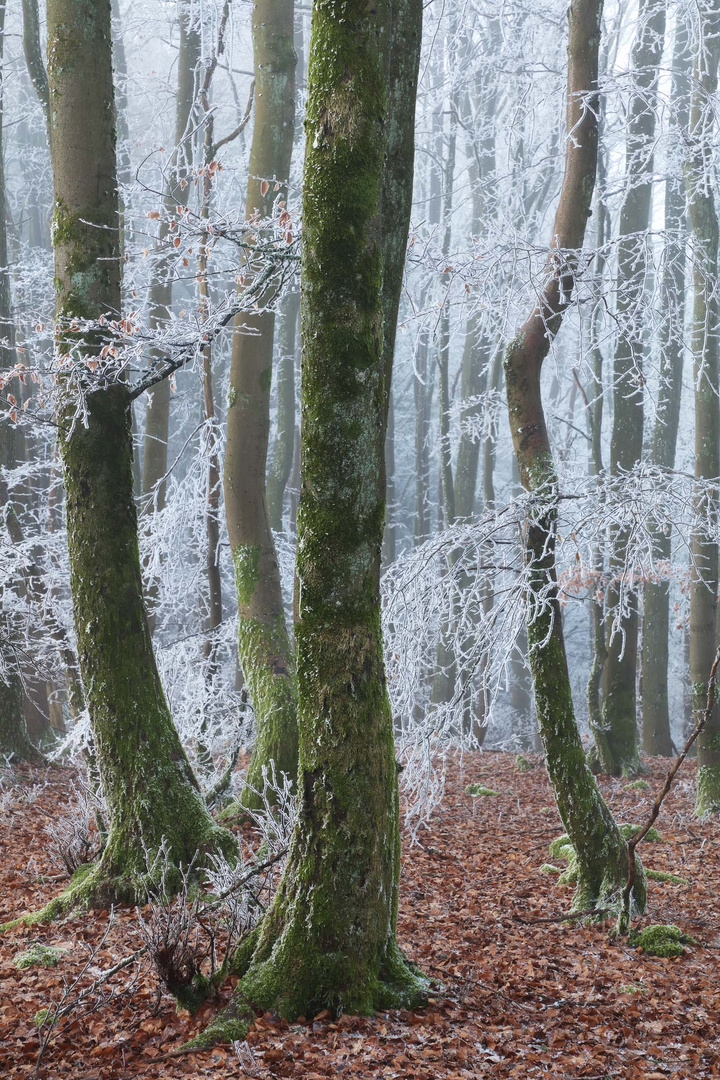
(157, 416)
(284, 444)
(656, 614)
(264, 646)
(706, 314)
(618, 749)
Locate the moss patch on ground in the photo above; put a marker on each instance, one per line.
(38, 955)
(479, 789)
(662, 940)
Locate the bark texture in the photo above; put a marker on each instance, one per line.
(157, 416)
(704, 547)
(149, 788)
(616, 743)
(656, 736)
(284, 444)
(601, 851)
(328, 940)
(264, 646)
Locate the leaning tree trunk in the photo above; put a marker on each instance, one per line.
(151, 794)
(602, 858)
(264, 646)
(706, 313)
(656, 613)
(328, 940)
(617, 747)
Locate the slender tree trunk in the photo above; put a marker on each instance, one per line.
(14, 740)
(594, 414)
(328, 940)
(157, 416)
(656, 616)
(150, 791)
(284, 444)
(618, 749)
(33, 55)
(390, 535)
(422, 396)
(601, 852)
(264, 646)
(706, 314)
(479, 344)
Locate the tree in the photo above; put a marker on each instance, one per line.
(656, 611)
(704, 566)
(602, 859)
(328, 940)
(616, 740)
(264, 646)
(157, 417)
(151, 794)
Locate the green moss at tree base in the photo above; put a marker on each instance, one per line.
(638, 785)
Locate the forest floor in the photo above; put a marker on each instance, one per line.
(515, 999)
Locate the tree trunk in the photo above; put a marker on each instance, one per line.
(284, 444)
(601, 852)
(479, 344)
(34, 57)
(157, 416)
(618, 749)
(422, 391)
(264, 646)
(706, 312)
(328, 940)
(151, 794)
(656, 615)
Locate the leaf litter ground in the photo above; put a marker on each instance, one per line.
(514, 999)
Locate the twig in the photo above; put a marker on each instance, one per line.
(568, 917)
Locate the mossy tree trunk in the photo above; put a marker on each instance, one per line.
(618, 748)
(328, 940)
(601, 851)
(706, 313)
(149, 788)
(656, 736)
(264, 646)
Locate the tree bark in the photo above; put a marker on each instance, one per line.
(656, 614)
(264, 646)
(284, 444)
(157, 416)
(151, 794)
(617, 747)
(601, 852)
(706, 313)
(34, 56)
(328, 940)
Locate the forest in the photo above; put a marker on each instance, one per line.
(360, 539)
